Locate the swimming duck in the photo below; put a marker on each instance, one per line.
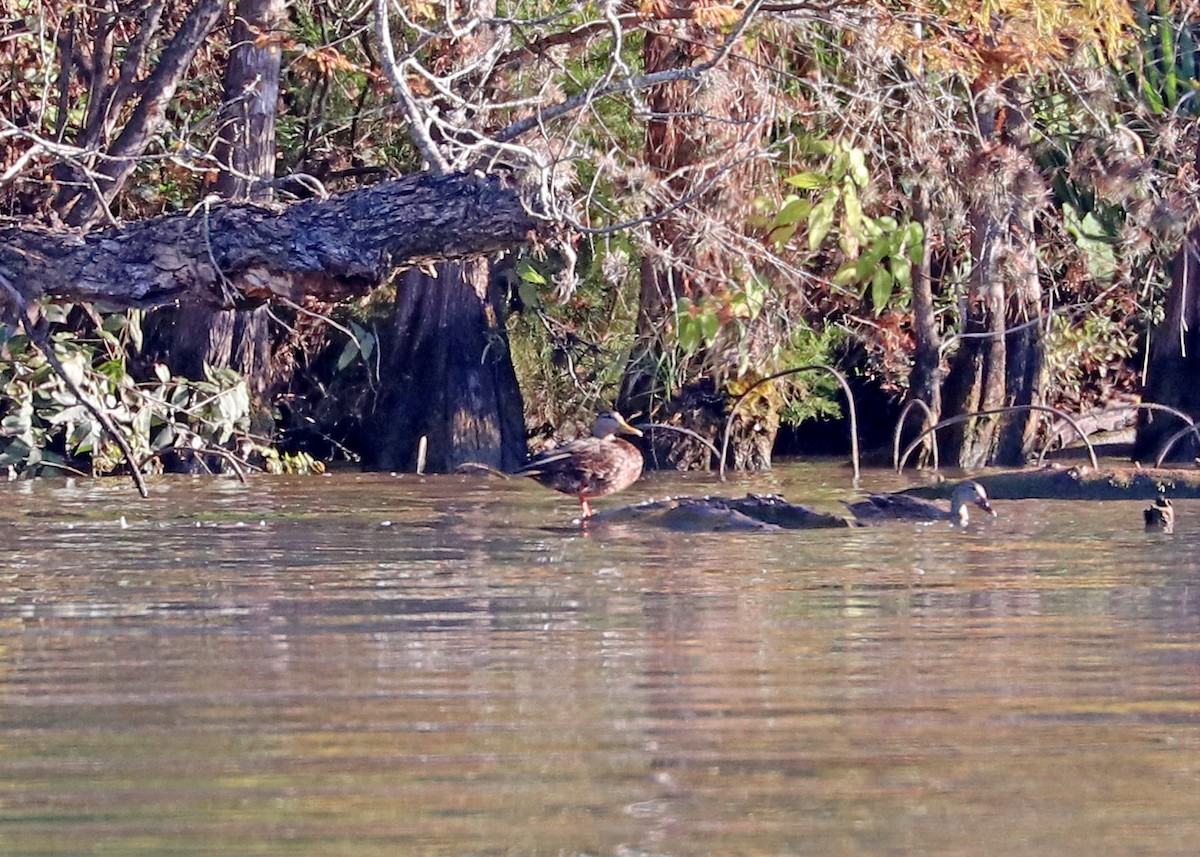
(905, 507)
(593, 466)
(1160, 517)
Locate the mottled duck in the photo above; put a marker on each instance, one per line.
(902, 507)
(593, 466)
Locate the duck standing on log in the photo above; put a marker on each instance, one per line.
(902, 507)
(593, 466)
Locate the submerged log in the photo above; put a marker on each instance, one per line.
(1078, 483)
(754, 512)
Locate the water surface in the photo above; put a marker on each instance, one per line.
(375, 664)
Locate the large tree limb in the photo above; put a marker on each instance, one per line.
(226, 253)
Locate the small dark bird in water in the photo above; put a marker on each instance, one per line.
(593, 466)
(1160, 517)
(902, 507)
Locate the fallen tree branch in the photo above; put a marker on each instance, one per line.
(330, 249)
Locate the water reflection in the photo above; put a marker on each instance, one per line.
(370, 664)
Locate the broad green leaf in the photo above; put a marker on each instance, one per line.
(792, 213)
(881, 288)
(847, 275)
(914, 242)
(858, 167)
(808, 181)
(530, 274)
(870, 261)
(164, 439)
(902, 272)
(349, 352)
(820, 221)
(710, 326)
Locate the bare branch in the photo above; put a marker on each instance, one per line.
(418, 131)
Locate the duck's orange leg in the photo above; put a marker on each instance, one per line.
(587, 510)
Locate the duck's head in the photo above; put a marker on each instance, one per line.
(610, 423)
(971, 492)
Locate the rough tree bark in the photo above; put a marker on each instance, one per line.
(188, 339)
(925, 377)
(448, 375)
(232, 253)
(999, 361)
(1174, 363)
(450, 378)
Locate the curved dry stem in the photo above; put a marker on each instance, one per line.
(929, 421)
(841, 379)
(961, 418)
(1150, 406)
(1172, 440)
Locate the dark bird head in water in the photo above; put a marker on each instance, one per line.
(1160, 517)
(969, 492)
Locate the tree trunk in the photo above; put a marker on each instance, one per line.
(449, 376)
(999, 361)
(925, 378)
(698, 140)
(1174, 363)
(199, 336)
(1024, 351)
(450, 379)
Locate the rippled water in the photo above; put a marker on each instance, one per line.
(371, 664)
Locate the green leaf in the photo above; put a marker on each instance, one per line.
(688, 334)
(348, 354)
(530, 274)
(902, 272)
(914, 241)
(881, 288)
(795, 211)
(56, 313)
(808, 181)
(164, 439)
(870, 261)
(847, 275)
(858, 167)
(820, 221)
(710, 326)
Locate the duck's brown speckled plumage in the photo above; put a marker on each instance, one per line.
(590, 467)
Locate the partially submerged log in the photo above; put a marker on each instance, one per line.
(1079, 483)
(230, 254)
(754, 512)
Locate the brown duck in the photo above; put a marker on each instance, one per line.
(903, 507)
(593, 466)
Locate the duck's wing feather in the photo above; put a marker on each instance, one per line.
(561, 458)
(901, 506)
